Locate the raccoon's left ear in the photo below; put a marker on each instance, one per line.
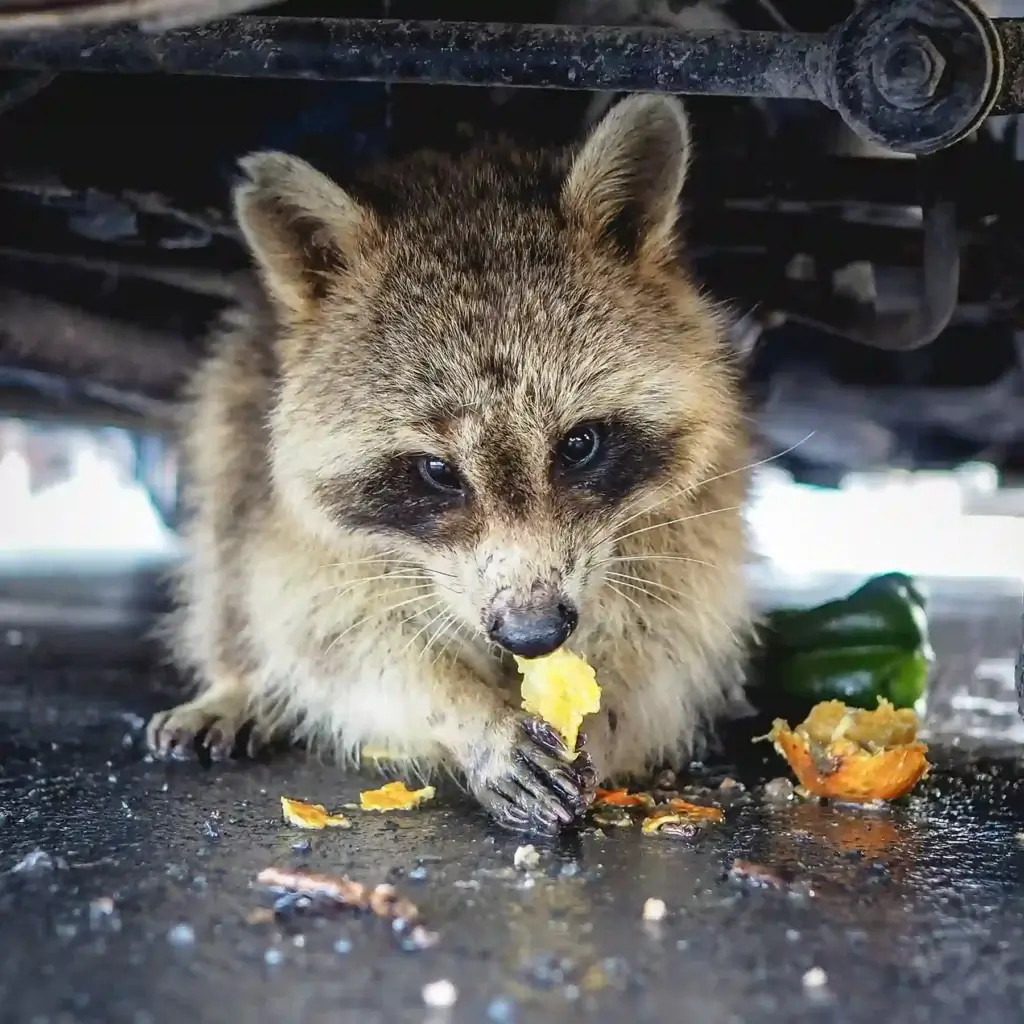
(624, 184)
(301, 227)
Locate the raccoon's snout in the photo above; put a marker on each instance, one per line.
(535, 629)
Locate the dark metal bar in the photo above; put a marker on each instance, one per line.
(756, 64)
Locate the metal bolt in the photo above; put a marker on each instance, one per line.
(908, 71)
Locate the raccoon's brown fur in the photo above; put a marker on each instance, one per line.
(475, 311)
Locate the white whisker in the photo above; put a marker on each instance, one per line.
(655, 558)
(424, 627)
(676, 522)
(377, 614)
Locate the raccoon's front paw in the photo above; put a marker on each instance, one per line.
(530, 785)
(211, 722)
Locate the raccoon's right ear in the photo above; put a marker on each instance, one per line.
(301, 227)
(625, 182)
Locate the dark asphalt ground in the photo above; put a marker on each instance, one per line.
(126, 886)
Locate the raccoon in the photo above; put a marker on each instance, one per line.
(481, 412)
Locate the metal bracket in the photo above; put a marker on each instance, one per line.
(911, 75)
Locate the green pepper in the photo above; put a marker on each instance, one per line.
(872, 643)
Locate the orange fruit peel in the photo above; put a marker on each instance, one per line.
(622, 798)
(395, 796)
(315, 816)
(852, 755)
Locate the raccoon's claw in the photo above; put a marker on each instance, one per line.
(540, 790)
(205, 724)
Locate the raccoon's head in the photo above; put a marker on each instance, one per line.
(491, 364)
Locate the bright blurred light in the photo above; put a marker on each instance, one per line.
(915, 523)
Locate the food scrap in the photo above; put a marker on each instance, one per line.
(381, 900)
(560, 688)
(679, 819)
(622, 798)
(526, 858)
(654, 910)
(395, 796)
(848, 754)
(311, 815)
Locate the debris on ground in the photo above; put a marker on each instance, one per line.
(526, 858)
(560, 688)
(848, 754)
(680, 819)
(395, 796)
(440, 995)
(381, 900)
(761, 876)
(779, 791)
(654, 910)
(815, 978)
(38, 861)
(182, 935)
(304, 815)
(622, 798)
(261, 915)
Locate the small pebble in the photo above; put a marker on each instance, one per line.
(815, 978)
(272, 957)
(655, 910)
(299, 941)
(440, 995)
(418, 874)
(343, 946)
(181, 935)
(526, 858)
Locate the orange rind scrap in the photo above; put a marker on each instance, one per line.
(622, 798)
(561, 688)
(712, 815)
(680, 818)
(395, 796)
(852, 755)
(305, 815)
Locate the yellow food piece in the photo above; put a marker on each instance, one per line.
(311, 815)
(560, 688)
(849, 754)
(679, 812)
(395, 796)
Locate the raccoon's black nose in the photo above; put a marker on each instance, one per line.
(535, 630)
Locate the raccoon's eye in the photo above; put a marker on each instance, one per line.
(580, 446)
(441, 475)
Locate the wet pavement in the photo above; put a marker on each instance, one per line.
(127, 887)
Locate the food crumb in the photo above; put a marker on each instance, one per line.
(779, 791)
(526, 858)
(261, 915)
(654, 910)
(272, 957)
(440, 995)
(343, 946)
(815, 978)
